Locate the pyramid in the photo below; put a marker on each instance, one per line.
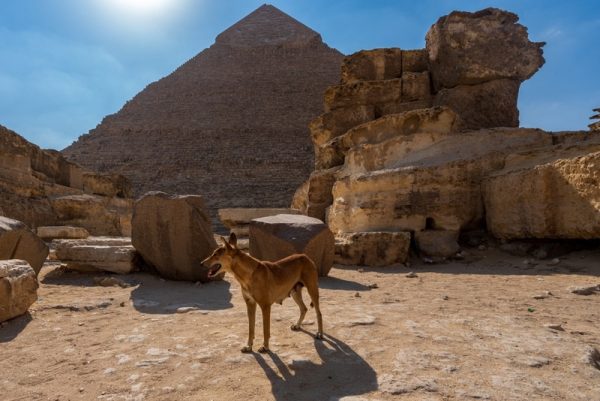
(230, 124)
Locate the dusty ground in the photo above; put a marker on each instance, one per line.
(464, 330)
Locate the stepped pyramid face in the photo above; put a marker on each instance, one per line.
(230, 124)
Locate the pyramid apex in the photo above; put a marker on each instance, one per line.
(268, 26)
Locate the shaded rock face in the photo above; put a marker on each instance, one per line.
(541, 194)
(231, 121)
(41, 188)
(276, 237)
(17, 241)
(18, 288)
(173, 234)
(473, 48)
(372, 248)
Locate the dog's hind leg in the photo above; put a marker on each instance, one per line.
(266, 315)
(251, 309)
(296, 294)
(313, 291)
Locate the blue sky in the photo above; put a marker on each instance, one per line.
(65, 64)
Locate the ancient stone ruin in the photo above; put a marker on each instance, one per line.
(426, 142)
(42, 188)
(231, 123)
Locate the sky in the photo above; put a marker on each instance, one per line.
(65, 64)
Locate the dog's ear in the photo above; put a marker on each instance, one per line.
(233, 240)
(225, 243)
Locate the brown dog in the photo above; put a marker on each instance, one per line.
(265, 283)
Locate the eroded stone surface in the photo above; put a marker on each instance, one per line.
(18, 288)
(17, 241)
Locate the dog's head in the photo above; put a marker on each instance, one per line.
(221, 258)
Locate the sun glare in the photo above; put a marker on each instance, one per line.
(139, 7)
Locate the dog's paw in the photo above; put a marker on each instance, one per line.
(263, 350)
(296, 327)
(247, 349)
(319, 336)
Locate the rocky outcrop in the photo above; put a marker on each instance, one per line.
(173, 234)
(473, 48)
(62, 232)
(41, 188)
(18, 288)
(231, 121)
(547, 193)
(276, 237)
(109, 254)
(477, 63)
(372, 248)
(17, 241)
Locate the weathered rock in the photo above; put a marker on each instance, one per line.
(318, 193)
(596, 125)
(111, 254)
(372, 248)
(239, 109)
(62, 232)
(487, 105)
(18, 288)
(335, 123)
(553, 192)
(439, 182)
(372, 65)
(276, 237)
(437, 243)
(238, 219)
(173, 234)
(39, 188)
(472, 48)
(17, 241)
(363, 93)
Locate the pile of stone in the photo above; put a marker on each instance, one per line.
(41, 188)
(424, 143)
(595, 126)
(237, 220)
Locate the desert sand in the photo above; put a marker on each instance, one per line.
(470, 329)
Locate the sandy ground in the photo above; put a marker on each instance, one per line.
(458, 331)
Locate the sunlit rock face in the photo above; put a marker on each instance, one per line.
(231, 123)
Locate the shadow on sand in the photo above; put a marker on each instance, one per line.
(335, 283)
(14, 327)
(158, 296)
(342, 373)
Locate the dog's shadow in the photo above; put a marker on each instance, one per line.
(342, 372)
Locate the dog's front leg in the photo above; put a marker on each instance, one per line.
(266, 315)
(251, 309)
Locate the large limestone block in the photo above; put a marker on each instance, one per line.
(372, 65)
(439, 183)
(111, 185)
(438, 121)
(319, 195)
(18, 288)
(363, 93)
(115, 255)
(173, 234)
(97, 214)
(472, 48)
(335, 123)
(62, 232)
(233, 217)
(276, 237)
(17, 241)
(437, 243)
(487, 105)
(415, 60)
(415, 86)
(372, 248)
(551, 193)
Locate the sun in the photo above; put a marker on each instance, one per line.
(139, 7)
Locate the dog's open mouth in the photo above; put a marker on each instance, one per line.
(214, 270)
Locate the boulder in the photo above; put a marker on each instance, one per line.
(552, 192)
(238, 219)
(62, 232)
(173, 234)
(18, 288)
(437, 243)
(363, 93)
(372, 248)
(472, 48)
(487, 105)
(372, 65)
(17, 241)
(335, 123)
(276, 237)
(111, 254)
